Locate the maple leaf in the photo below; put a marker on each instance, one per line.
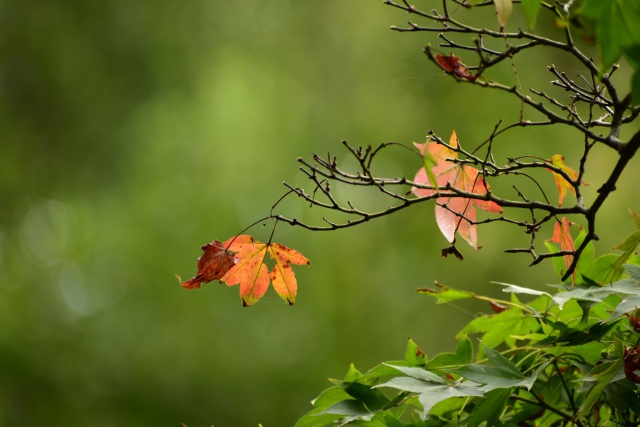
(251, 273)
(562, 235)
(563, 185)
(282, 278)
(451, 65)
(454, 213)
(212, 265)
(429, 163)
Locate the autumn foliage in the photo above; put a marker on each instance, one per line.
(212, 265)
(453, 214)
(451, 64)
(460, 187)
(241, 261)
(562, 236)
(563, 185)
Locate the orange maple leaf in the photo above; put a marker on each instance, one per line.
(454, 213)
(562, 235)
(251, 273)
(282, 278)
(212, 265)
(563, 185)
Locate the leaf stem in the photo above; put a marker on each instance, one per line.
(272, 232)
(566, 388)
(246, 228)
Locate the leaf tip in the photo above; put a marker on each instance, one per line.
(190, 284)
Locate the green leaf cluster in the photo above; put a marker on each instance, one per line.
(558, 359)
(618, 33)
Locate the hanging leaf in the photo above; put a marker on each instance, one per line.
(241, 260)
(451, 65)
(563, 185)
(448, 62)
(251, 274)
(562, 235)
(282, 277)
(429, 163)
(454, 214)
(212, 265)
(503, 9)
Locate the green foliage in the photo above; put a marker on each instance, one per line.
(531, 8)
(616, 23)
(557, 359)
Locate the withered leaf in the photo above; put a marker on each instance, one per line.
(451, 65)
(213, 264)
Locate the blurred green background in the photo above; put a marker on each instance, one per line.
(134, 132)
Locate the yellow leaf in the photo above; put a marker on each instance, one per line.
(563, 185)
(503, 9)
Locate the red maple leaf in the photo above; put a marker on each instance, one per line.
(454, 213)
(562, 235)
(252, 274)
(212, 265)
